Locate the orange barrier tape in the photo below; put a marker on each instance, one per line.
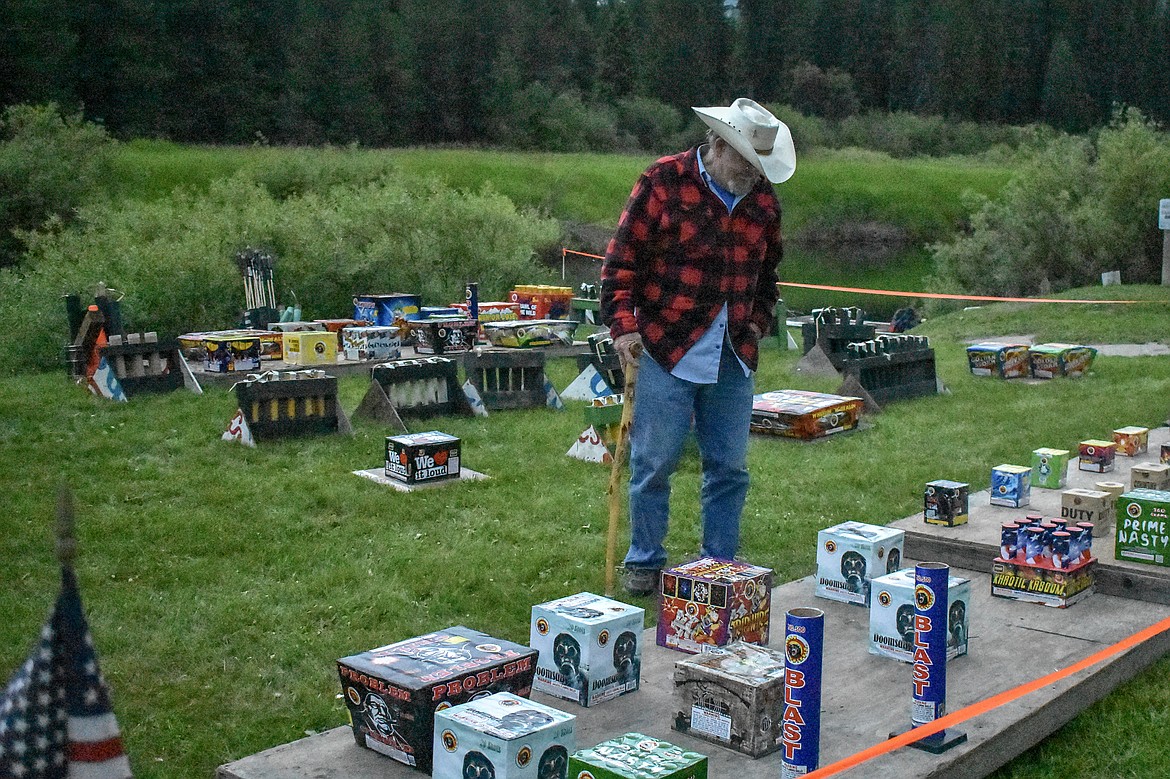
(565, 251)
(986, 705)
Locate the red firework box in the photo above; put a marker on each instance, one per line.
(1096, 456)
(803, 414)
(850, 555)
(708, 603)
(1042, 583)
(1132, 441)
(1007, 361)
(422, 457)
(393, 692)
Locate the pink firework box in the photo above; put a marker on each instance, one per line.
(708, 603)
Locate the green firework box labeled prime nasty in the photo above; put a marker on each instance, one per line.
(393, 692)
(634, 756)
(1143, 527)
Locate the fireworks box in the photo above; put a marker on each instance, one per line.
(540, 301)
(1011, 485)
(1150, 476)
(393, 692)
(891, 616)
(386, 309)
(310, 348)
(1132, 441)
(1007, 361)
(945, 502)
(850, 555)
(194, 345)
(375, 342)
(1049, 468)
(804, 415)
(1052, 360)
(589, 647)
(708, 602)
(1056, 587)
(227, 355)
(443, 336)
(530, 333)
(503, 736)
(1164, 455)
(1143, 528)
(416, 458)
(733, 696)
(634, 756)
(1096, 456)
(1081, 505)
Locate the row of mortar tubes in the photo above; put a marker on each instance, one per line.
(887, 343)
(835, 315)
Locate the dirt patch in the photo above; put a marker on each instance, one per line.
(861, 244)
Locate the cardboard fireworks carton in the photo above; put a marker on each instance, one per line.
(230, 354)
(891, 616)
(1164, 455)
(386, 310)
(590, 648)
(708, 603)
(503, 736)
(393, 692)
(422, 457)
(1150, 476)
(1011, 485)
(1143, 527)
(1056, 587)
(375, 342)
(1052, 360)
(804, 415)
(634, 756)
(310, 348)
(733, 696)
(530, 333)
(1081, 505)
(851, 554)
(1050, 468)
(1132, 441)
(1007, 361)
(443, 336)
(1096, 456)
(945, 502)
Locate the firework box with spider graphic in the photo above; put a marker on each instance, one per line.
(503, 736)
(393, 692)
(635, 756)
(422, 457)
(733, 696)
(891, 616)
(710, 602)
(590, 648)
(851, 554)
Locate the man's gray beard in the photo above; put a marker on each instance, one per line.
(741, 185)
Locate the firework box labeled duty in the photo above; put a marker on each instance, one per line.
(733, 696)
(1056, 587)
(317, 347)
(1082, 505)
(1096, 456)
(1132, 441)
(709, 602)
(590, 648)
(804, 415)
(635, 756)
(891, 616)
(851, 554)
(393, 692)
(1150, 476)
(422, 457)
(375, 342)
(230, 354)
(1011, 485)
(503, 736)
(1007, 361)
(1052, 360)
(1049, 468)
(945, 502)
(1143, 527)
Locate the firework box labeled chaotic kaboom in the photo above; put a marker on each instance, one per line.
(392, 692)
(891, 616)
(590, 648)
(804, 415)
(1011, 485)
(635, 756)
(503, 736)
(1143, 527)
(1005, 361)
(1050, 563)
(415, 458)
(946, 503)
(710, 602)
(733, 696)
(851, 554)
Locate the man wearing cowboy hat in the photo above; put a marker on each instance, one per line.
(688, 289)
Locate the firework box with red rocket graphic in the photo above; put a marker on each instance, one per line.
(708, 603)
(393, 692)
(417, 458)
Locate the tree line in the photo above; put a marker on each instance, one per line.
(392, 72)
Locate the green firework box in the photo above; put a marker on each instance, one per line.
(634, 756)
(1143, 527)
(1049, 468)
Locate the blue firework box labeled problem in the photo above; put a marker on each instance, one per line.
(503, 736)
(1011, 485)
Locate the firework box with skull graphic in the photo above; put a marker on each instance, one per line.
(443, 336)
(635, 756)
(710, 602)
(733, 696)
(503, 736)
(422, 457)
(1143, 527)
(1049, 468)
(393, 692)
(851, 554)
(1007, 361)
(590, 648)
(317, 347)
(376, 342)
(891, 616)
(945, 502)
(1011, 485)
(804, 415)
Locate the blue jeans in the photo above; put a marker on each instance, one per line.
(663, 409)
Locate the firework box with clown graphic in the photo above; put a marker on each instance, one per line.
(503, 736)
(851, 554)
(1143, 527)
(733, 696)
(393, 692)
(891, 616)
(635, 756)
(590, 648)
(709, 602)
(417, 458)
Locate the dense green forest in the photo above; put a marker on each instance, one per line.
(391, 72)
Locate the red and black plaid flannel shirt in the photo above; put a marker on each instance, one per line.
(678, 256)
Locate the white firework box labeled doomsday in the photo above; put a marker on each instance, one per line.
(891, 616)
(590, 648)
(851, 554)
(503, 736)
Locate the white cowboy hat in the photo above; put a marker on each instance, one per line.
(759, 137)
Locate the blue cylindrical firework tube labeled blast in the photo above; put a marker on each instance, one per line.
(804, 639)
(930, 642)
(473, 300)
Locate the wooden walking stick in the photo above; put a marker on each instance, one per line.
(615, 474)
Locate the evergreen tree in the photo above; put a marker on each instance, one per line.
(1066, 100)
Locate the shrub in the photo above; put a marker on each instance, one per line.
(652, 125)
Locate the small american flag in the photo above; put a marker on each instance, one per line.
(55, 714)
